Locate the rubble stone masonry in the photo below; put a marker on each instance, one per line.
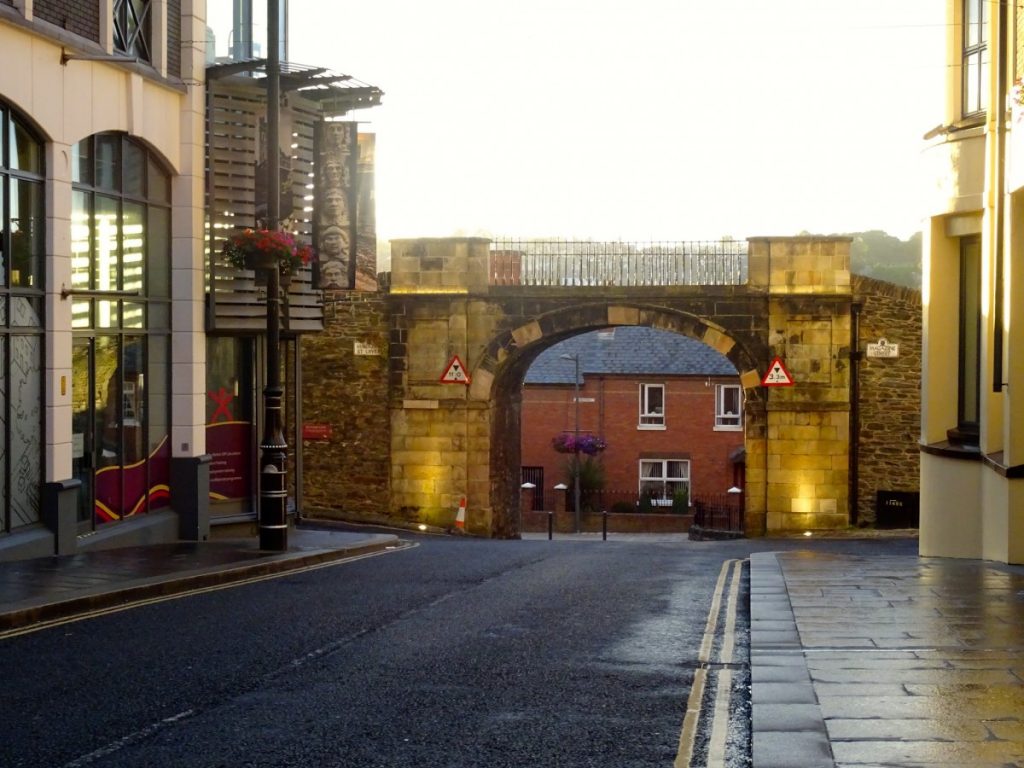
(345, 387)
(890, 393)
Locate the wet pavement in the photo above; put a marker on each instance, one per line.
(52, 588)
(886, 661)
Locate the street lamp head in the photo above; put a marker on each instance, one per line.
(574, 358)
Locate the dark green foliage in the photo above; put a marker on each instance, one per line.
(646, 504)
(681, 502)
(622, 507)
(879, 255)
(884, 257)
(591, 472)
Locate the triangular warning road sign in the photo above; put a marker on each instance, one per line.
(777, 375)
(455, 372)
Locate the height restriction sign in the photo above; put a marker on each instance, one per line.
(777, 375)
(455, 372)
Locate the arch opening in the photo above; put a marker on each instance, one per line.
(513, 354)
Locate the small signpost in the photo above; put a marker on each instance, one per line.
(777, 375)
(366, 348)
(882, 348)
(316, 431)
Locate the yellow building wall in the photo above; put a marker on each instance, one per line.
(972, 503)
(951, 525)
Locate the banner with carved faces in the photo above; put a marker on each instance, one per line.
(345, 228)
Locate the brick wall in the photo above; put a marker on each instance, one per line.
(348, 473)
(82, 17)
(890, 393)
(614, 413)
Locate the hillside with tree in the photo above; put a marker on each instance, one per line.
(879, 255)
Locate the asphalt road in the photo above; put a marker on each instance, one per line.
(451, 653)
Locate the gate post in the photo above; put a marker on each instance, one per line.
(440, 434)
(806, 463)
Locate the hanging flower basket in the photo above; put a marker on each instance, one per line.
(567, 442)
(264, 249)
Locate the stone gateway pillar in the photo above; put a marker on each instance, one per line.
(807, 448)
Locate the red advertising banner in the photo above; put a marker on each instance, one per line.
(230, 445)
(138, 498)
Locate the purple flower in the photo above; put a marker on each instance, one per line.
(567, 442)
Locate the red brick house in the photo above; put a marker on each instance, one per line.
(669, 408)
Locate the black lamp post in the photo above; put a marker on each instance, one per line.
(575, 442)
(273, 515)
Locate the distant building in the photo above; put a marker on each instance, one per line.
(972, 426)
(669, 407)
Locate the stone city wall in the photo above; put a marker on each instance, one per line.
(890, 393)
(345, 389)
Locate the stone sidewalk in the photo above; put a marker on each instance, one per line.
(886, 661)
(53, 588)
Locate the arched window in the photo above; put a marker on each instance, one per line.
(120, 280)
(22, 238)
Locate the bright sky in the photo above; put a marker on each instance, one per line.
(646, 120)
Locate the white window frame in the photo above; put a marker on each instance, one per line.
(651, 417)
(662, 468)
(726, 421)
(975, 56)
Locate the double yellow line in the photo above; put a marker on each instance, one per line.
(720, 714)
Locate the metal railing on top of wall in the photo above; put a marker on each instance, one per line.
(571, 263)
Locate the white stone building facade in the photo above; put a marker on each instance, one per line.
(102, 199)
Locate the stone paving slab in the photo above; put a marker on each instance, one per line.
(912, 662)
(788, 718)
(776, 749)
(787, 727)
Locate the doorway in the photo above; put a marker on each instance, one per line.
(231, 424)
(119, 450)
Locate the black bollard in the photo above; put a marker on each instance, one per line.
(604, 525)
(551, 524)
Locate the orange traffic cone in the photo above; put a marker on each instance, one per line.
(460, 518)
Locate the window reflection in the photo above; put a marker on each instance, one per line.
(22, 230)
(105, 234)
(25, 152)
(27, 231)
(116, 261)
(80, 230)
(133, 243)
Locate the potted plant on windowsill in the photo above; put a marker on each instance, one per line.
(265, 249)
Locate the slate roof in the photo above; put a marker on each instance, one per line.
(628, 350)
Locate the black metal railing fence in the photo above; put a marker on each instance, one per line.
(571, 263)
(719, 512)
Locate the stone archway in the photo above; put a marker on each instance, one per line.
(796, 303)
(505, 373)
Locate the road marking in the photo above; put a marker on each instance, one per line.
(720, 719)
(688, 735)
(128, 740)
(189, 593)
